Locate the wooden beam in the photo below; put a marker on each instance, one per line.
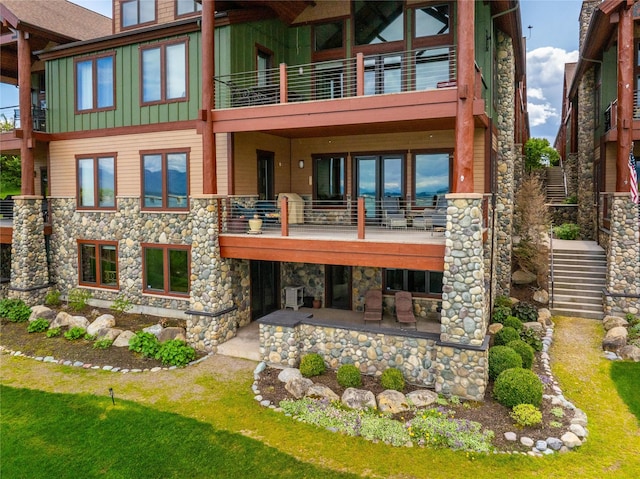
(209, 185)
(26, 117)
(625, 98)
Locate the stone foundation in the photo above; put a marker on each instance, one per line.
(561, 214)
(462, 372)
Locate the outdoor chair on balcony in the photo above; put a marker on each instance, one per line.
(392, 215)
(404, 308)
(373, 305)
(433, 219)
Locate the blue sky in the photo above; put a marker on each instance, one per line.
(551, 42)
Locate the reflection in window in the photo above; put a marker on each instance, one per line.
(382, 74)
(96, 182)
(329, 81)
(263, 62)
(185, 7)
(431, 177)
(425, 282)
(165, 180)
(329, 182)
(327, 36)
(98, 263)
(378, 22)
(172, 61)
(432, 67)
(432, 20)
(166, 269)
(135, 12)
(94, 84)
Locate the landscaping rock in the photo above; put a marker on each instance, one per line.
(523, 277)
(320, 391)
(155, 329)
(422, 397)
(495, 327)
(544, 317)
(541, 296)
(298, 386)
(533, 325)
(526, 441)
(554, 443)
(615, 339)
(579, 417)
(78, 322)
(102, 322)
(541, 445)
(510, 436)
(43, 312)
(392, 401)
(358, 399)
(578, 430)
(62, 319)
(108, 333)
(630, 352)
(289, 373)
(122, 341)
(168, 334)
(570, 440)
(610, 322)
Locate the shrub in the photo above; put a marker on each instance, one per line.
(75, 333)
(525, 312)
(40, 325)
(571, 200)
(312, 365)
(631, 319)
(15, 310)
(526, 415)
(567, 231)
(103, 344)
(518, 386)
(500, 313)
(530, 337)
(525, 351)
(503, 301)
(52, 298)
(349, 376)
(392, 378)
(505, 335)
(144, 343)
(634, 332)
(121, 305)
(90, 337)
(54, 332)
(78, 299)
(513, 322)
(175, 353)
(502, 358)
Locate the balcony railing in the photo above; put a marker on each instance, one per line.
(611, 113)
(415, 70)
(10, 118)
(6, 211)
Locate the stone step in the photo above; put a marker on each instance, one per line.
(568, 269)
(583, 280)
(557, 311)
(590, 260)
(595, 299)
(560, 287)
(591, 255)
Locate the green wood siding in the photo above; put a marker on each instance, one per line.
(483, 49)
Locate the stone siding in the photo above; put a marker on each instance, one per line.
(571, 173)
(561, 214)
(462, 372)
(586, 199)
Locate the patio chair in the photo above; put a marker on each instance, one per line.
(404, 308)
(392, 215)
(433, 218)
(373, 305)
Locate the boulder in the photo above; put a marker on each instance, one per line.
(101, 322)
(630, 352)
(570, 440)
(495, 327)
(534, 325)
(578, 430)
(544, 317)
(298, 387)
(610, 322)
(541, 296)
(320, 391)
(172, 333)
(122, 341)
(289, 373)
(155, 329)
(422, 397)
(615, 339)
(392, 401)
(523, 277)
(42, 312)
(62, 319)
(358, 399)
(108, 333)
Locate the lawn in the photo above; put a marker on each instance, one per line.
(626, 377)
(171, 419)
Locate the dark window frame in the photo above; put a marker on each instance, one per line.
(164, 154)
(96, 190)
(94, 88)
(98, 244)
(165, 248)
(162, 46)
(378, 48)
(414, 154)
(405, 285)
(444, 39)
(338, 203)
(138, 24)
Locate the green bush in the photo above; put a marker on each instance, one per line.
(103, 344)
(121, 305)
(53, 298)
(392, 378)
(502, 358)
(525, 312)
(500, 313)
(525, 351)
(513, 322)
(40, 325)
(571, 200)
(312, 365)
(90, 337)
(144, 343)
(518, 386)
(15, 310)
(530, 337)
(54, 332)
(75, 333)
(78, 299)
(505, 335)
(567, 231)
(503, 301)
(175, 353)
(526, 415)
(349, 376)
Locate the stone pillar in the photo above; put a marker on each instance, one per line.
(586, 200)
(29, 269)
(505, 124)
(571, 173)
(586, 12)
(623, 260)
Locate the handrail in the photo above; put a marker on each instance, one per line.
(551, 264)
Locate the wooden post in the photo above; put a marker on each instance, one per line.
(209, 181)
(284, 93)
(359, 74)
(625, 97)
(26, 117)
(284, 216)
(361, 217)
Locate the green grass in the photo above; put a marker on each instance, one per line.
(47, 435)
(626, 377)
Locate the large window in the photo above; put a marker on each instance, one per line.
(378, 22)
(165, 183)
(187, 7)
(432, 177)
(137, 12)
(328, 36)
(416, 282)
(94, 84)
(329, 179)
(98, 263)
(166, 269)
(164, 73)
(96, 187)
(432, 20)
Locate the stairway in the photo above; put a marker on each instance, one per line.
(579, 276)
(555, 185)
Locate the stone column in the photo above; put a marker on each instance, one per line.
(571, 172)
(623, 260)
(29, 269)
(505, 124)
(586, 200)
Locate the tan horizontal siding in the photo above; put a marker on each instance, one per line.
(478, 161)
(246, 163)
(222, 165)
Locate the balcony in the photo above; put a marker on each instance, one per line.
(10, 118)
(611, 113)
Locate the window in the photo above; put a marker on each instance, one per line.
(98, 263)
(329, 179)
(94, 84)
(432, 20)
(165, 182)
(96, 186)
(329, 80)
(432, 68)
(382, 74)
(137, 12)
(432, 177)
(264, 63)
(166, 269)
(164, 73)
(417, 282)
(328, 36)
(378, 22)
(187, 7)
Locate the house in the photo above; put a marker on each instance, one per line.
(599, 130)
(322, 119)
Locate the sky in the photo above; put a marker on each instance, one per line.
(552, 41)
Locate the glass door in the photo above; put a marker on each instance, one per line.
(379, 177)
(338, 281)
(265, 290)
(367, 183)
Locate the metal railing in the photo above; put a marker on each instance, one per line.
(551, 278)
(611, 113)
(10, 118)
(6, 210)
(414, 70)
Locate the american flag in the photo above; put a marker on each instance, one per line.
(633, 178)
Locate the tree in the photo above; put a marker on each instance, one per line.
(539, 154)
(10, 172)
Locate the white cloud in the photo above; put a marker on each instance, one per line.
(539, 114)
(545, 66)
(536, 93)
